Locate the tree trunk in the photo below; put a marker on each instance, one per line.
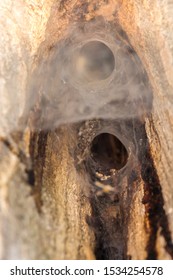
(86, 161)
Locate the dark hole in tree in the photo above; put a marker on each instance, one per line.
(95, 61)
(108, 152)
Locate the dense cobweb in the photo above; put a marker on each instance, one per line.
(92, 73)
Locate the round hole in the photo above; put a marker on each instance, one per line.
(108, 152)
(95, 61)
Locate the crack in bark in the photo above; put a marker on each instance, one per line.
(38, 143)
(153, 200)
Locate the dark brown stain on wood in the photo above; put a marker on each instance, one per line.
(153, 200)
(38, 143)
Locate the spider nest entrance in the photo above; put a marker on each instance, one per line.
(95, 61)
(108, 153)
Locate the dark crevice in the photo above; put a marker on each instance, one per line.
(31, 176)
(153, 199)
(38, 155)
(95, 222)
(107, 228)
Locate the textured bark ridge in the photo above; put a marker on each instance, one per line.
(78, 181)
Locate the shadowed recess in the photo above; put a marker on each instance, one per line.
(109, 152)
